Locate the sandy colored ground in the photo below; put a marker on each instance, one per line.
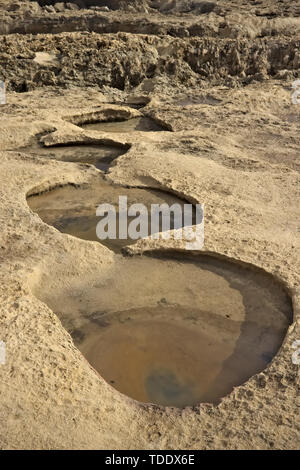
(217, 77)
(241, 158)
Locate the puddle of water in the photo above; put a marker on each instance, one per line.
(153, 359)
(143, 124)
(99, 155)
(170, 331)
(174, 331)
(73, 210)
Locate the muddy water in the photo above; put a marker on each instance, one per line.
(152, 359)
(73, 210)
(198, 328)
(143, 124)
(101, 156)
(174, 331)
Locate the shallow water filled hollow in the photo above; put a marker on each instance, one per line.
(73, 210)
(176, 330)
(101, 156)
(142, 124)
(173, 330)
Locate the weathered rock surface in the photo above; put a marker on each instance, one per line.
(218, 75)
(125, 61)
(179, 19)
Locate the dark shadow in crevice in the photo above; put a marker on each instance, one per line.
(100, 155)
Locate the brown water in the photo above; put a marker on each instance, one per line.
(73, 210)
(175, 331)
(101, 156)
(142, 124)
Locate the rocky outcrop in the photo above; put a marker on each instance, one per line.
(124, 61)
(174, 18)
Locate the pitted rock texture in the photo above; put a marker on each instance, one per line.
(217, 77)
(124, 61)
